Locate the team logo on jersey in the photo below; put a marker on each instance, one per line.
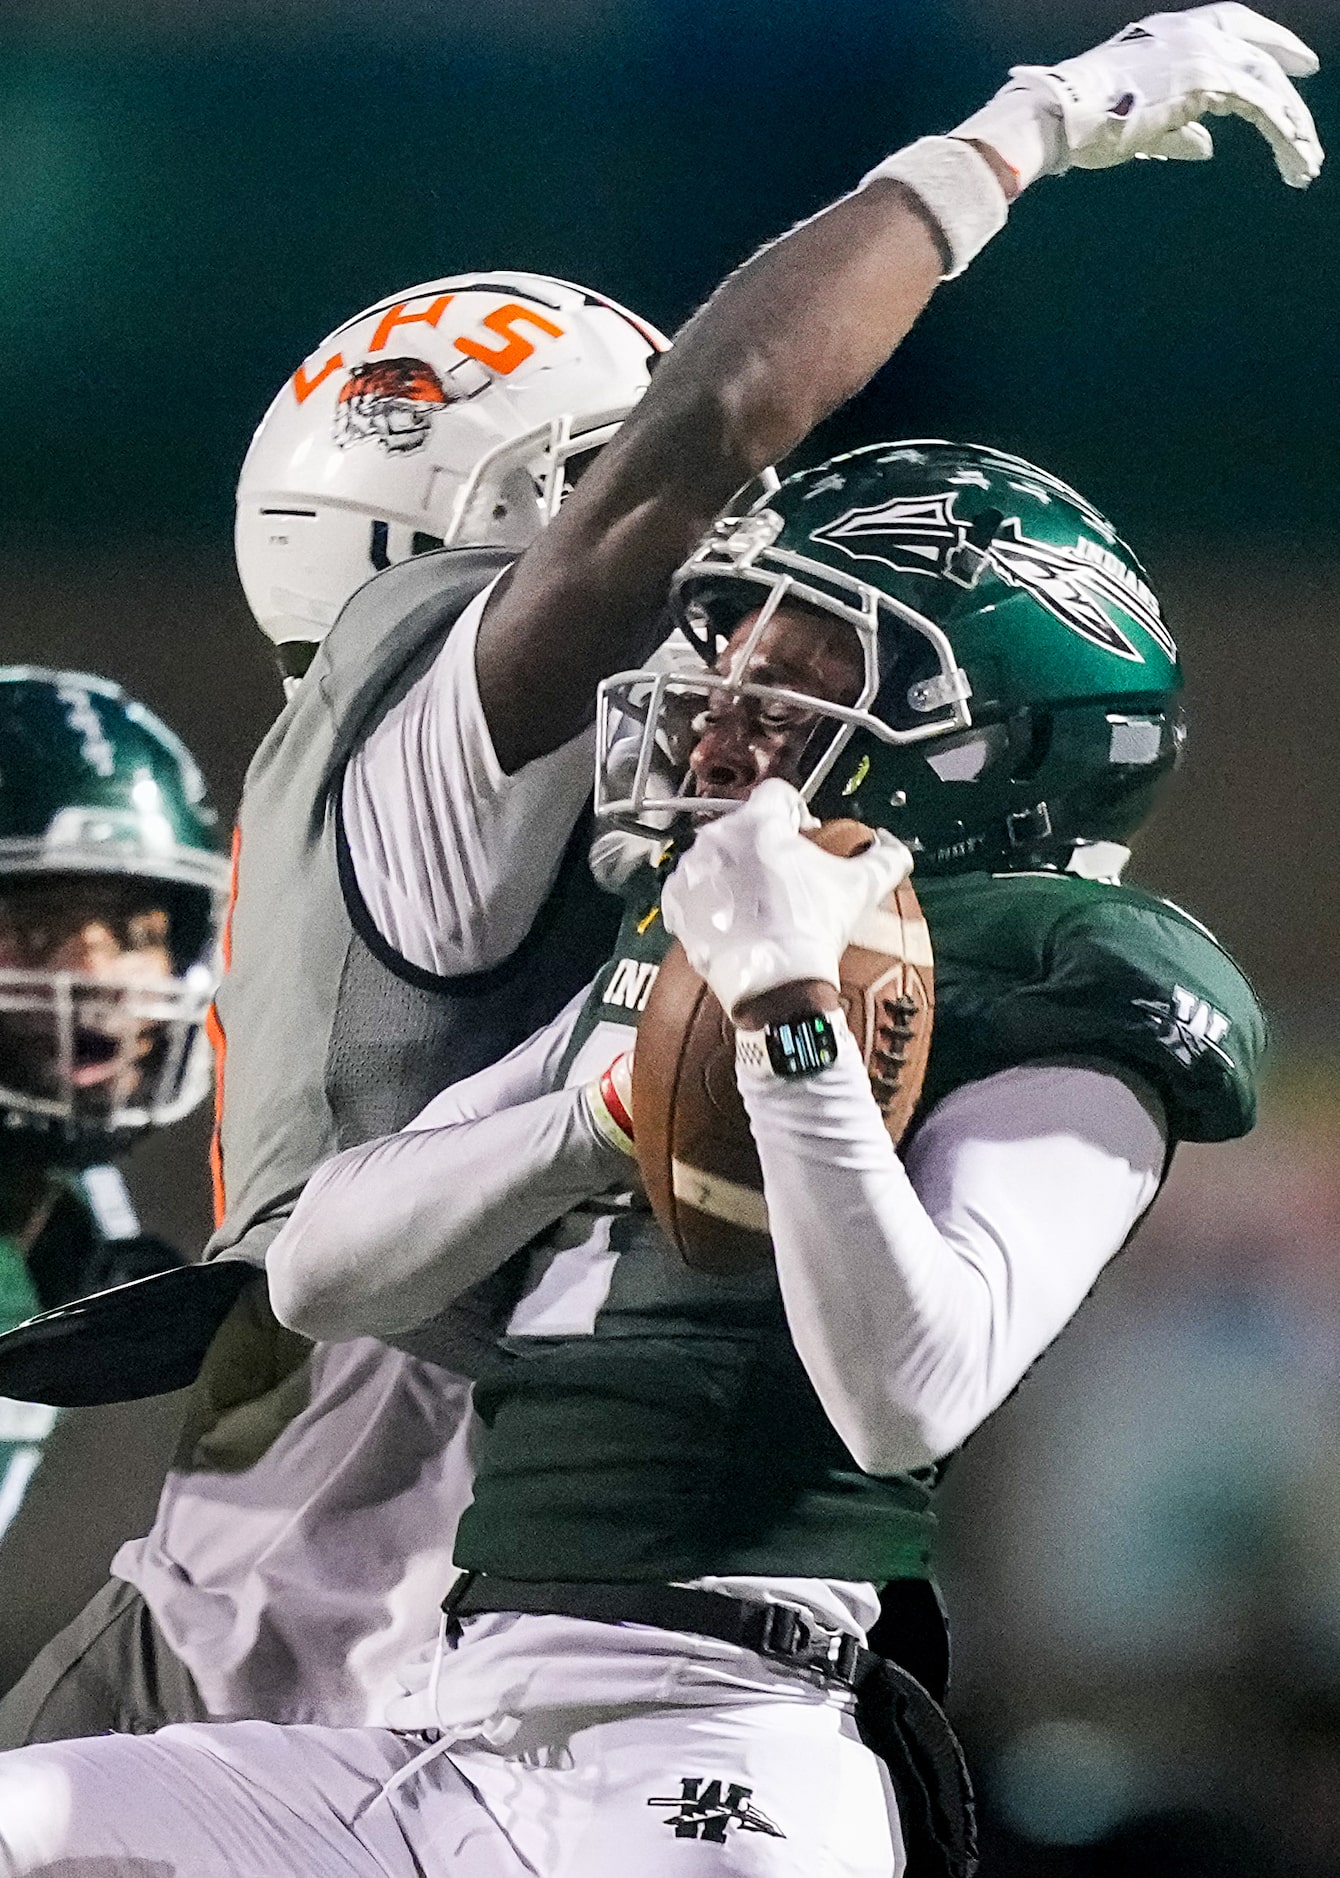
(630, 984)
(1080, 584)
(391, 402)
(707, 1809)
(1188, 1025)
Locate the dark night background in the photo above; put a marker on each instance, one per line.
(192, 192)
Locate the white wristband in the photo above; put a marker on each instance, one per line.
(957, 186)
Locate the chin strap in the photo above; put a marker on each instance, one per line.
(1027, 842)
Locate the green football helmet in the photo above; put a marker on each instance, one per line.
(112, 888)
(1020, 687)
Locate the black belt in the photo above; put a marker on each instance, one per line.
(778, 1632)
(896, 1718)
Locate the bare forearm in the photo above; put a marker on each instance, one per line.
(801, 327)
(779, 346)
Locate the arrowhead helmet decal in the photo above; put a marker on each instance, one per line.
(1079, 585)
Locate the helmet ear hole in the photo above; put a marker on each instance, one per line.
(967, 756)
(1030, 734)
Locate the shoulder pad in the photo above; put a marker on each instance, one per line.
(1031, 966)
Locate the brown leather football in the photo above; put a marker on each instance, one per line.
(694, 1144)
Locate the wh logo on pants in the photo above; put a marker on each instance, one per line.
(707, 1809)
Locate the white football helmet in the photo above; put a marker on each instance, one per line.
(456, 413)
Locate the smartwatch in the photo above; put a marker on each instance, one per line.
(792, 1047)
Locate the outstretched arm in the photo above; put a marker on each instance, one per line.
(386, 1236)
(802, 326)
(459, 803)
(782, 344)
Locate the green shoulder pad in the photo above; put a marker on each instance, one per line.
(1046, 965)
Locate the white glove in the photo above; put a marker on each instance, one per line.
(1140, 94)
(755, 905)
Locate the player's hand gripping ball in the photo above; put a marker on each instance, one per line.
(693, 1142)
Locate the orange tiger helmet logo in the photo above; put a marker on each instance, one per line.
(392, 402)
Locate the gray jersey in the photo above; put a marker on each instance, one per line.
(304, 1534)
(326, 1037)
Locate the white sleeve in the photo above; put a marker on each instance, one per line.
(453, 858)
(917, 1298)
(385, 1236)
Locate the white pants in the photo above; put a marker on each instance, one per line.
(764, 1789)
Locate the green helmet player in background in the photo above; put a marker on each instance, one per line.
(111, 888)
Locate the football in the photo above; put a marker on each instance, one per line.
(694, 1145)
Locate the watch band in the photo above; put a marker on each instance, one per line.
(792, 1047)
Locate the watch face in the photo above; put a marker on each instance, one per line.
(803, 1046)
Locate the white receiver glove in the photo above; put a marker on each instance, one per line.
(755, 905)
(1140, 95)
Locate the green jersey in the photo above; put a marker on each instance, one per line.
(668, 1430)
